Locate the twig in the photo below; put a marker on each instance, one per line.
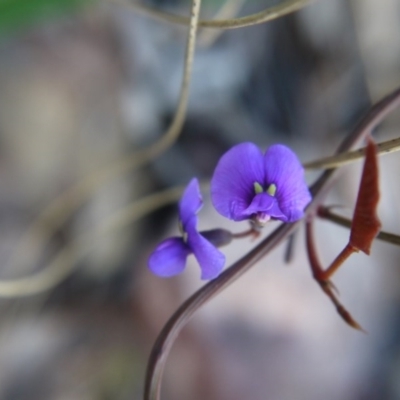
(290, 247)
(60, 209)
(266, 15)
(387, 147)
(325, 284)
(228, 10)
(65, 261)
(326, 213)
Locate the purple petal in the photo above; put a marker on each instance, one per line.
(190, 202)
(211, 260)
(232, 185)
(169, 258)
(283, 168)
(265, 205)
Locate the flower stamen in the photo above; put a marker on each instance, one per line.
(258, 189)
(271, 189)
(247, 181)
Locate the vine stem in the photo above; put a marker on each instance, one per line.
(319, 189)
(326, 213)
(386, 147)
(60, 209)
(64, 262)
(228, 10)
(266, 15)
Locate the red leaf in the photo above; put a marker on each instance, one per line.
(366, 224)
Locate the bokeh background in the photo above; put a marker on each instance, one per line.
(85, 84)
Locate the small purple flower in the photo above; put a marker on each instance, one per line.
(249, 184)
(169, 258)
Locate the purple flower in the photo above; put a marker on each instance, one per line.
(249, 184)
(169, 258)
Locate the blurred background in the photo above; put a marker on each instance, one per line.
(85, 84)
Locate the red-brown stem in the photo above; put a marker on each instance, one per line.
(326, 213)
(338, 261)
(244, 234)
(318, 272)
(324, 283)
(315, 265)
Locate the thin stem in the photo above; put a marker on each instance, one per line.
(228, 10)
(387, 147)
(373, 117)
(290, 245)
(319, 189)
(318, 274)
(64, 263)
(244, 234)
(316, 267)
(171, 330)
(60, 209)
(338, 262)
(266, 15)
(326, 213)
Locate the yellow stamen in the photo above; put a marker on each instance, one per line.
(271, 189)
(258, 188)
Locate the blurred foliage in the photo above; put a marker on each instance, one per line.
(19, 14)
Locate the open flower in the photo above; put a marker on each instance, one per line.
(249, 184)
(169, 258)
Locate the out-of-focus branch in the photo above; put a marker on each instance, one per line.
(58, 211)
(387, 147)
(326, 213)
(65, 261)
(270, 13)
(228, 10)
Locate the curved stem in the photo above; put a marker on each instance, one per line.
(269, 14)
(319, 189)
(365, 126)
(171, 330)
(228, 10)
(318, 272)
(63, 264)
(60, 209)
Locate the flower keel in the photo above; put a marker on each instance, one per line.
(241, 189)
